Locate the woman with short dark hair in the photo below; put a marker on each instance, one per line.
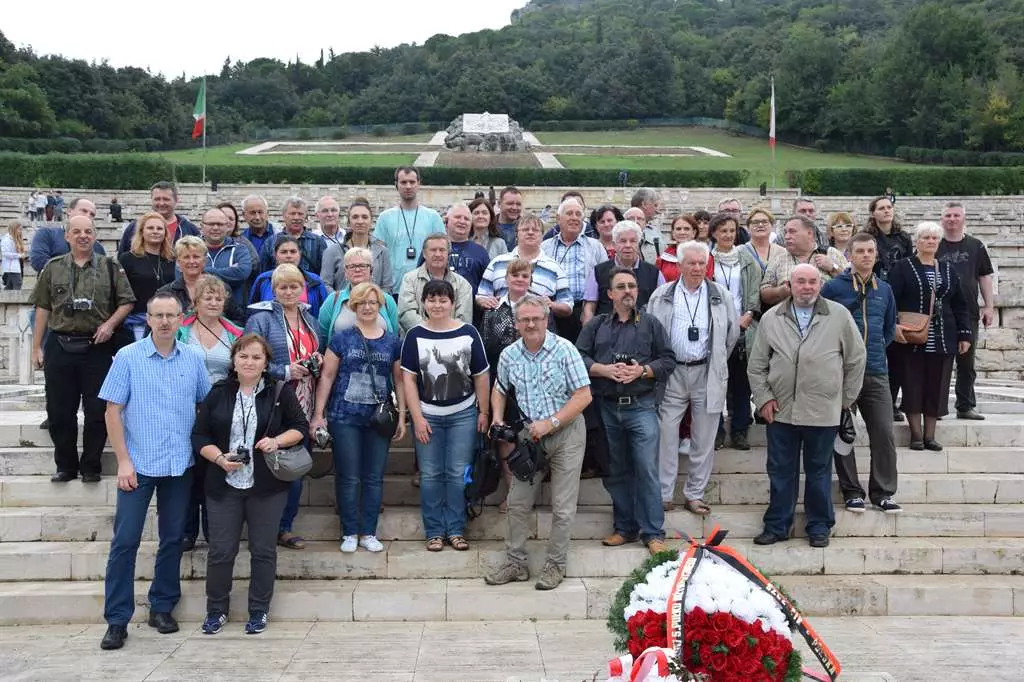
(485, 230)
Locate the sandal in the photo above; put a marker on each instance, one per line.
(291, 541)
(435, 544)
(458, 543)
(697, 507)
(503, 507)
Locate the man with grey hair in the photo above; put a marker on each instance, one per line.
(650, 239)
(799, 236)
(256, 214)
(163, 197)
(328, 218)
(701, 320)
(626, 236)
(578, 255)
(806, 366)
(648, 201)
(806, 207)
(551, 387)
(311, 246)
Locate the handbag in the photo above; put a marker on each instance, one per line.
(384, 419)
(915, 325)
(286, 464)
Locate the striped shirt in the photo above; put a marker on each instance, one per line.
(548, 278)
(159, 396)
(543, 381)
(690, 310)
(577, 259)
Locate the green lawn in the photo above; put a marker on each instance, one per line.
(745, 153)
(226, 155)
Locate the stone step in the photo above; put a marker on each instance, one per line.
(38, 603)
(60, 524)
(404, 560)
(32, 460)
(975, 488)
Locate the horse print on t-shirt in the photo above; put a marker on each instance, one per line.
(444, 367)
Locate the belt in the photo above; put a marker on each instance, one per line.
(625, 399)
(694, 363)
(77, 335)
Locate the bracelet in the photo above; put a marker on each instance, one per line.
(217, 458)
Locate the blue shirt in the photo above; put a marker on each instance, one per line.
(470, 260)
(159, 396)
(355, 394)
(544, 381)
(400, 229)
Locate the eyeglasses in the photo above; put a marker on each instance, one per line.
(843, 226)
(760, 223)
(625, 287)
(370, 302)
(531, 320)
(357, 266)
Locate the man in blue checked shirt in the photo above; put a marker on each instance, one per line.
(150, 428)
(552, 387)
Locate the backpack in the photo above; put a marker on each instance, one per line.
(481, 477)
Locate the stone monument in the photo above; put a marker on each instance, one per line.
(485, 132)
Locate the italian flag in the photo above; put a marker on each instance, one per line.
(199, 112)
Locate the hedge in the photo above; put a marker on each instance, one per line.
(959, 157)
(94, 171)
(966, 181)
(72, 145)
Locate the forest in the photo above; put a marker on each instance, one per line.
(855, 75)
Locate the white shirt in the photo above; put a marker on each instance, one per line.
(690, 310)
(338, 237)
(729, 277)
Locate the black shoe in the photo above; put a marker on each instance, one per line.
(90, 478)
(767, 538)
(188, 544)
(818, 541)
(719, 441)
(739, 441)
(971, 414)
(932, 444)
(897, 416)
(45, 425)
(63, 477)
(163, 622)
(917, 445)
(114, 638)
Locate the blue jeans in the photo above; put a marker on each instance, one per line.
(785, 443)
(443, 463)
(737, 394)
(359, 458)
(632, 479)
(172, 496)
(291, 507)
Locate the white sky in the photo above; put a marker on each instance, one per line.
(196, 37)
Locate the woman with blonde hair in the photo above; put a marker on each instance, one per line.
(840, 229)
(12, 250)
(149, 265)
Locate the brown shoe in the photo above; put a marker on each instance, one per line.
(617, 540)
(668, 506)
(656, 545)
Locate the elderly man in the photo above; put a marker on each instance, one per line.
(256, 213)
(405, 227)
(649, 251)
(871, 303)
(467, 258)
(799, 235)
(578, 255)
(806, 207)
(807, 364)
(328, 218)
(311, 246)
(700, 318)
(435, 266)
(969, 258)
(626, 236)
(81, 298)
(510, 209)
(225, 256)
(552, 388)
(49, 242)
(627, 355)
(648, 201)
(163, 198)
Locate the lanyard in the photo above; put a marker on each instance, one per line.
(212, 333)
(727, 274)
(415, 216)
(295, 336)
(246, 413)
(693, 313)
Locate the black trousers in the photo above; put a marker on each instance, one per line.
(73, 379)
(966, 375)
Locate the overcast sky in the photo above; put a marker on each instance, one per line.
(196, 37)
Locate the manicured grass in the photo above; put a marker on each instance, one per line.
(748, 153)
(226, 155)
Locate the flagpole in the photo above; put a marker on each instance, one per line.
(771, 135)
(204, 130)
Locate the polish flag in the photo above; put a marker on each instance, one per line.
(771, 119)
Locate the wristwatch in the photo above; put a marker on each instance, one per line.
(556, 422)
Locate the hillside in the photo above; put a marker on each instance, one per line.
(864, 75)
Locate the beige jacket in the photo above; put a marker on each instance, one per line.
(410, 309)
(811, 378)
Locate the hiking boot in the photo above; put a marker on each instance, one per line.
(740, 442)
(655, 545)
(617, 540)
(550, 576)
(510, 572)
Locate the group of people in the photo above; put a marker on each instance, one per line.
(602, 341)
(45, 206)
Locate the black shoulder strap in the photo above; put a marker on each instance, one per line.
(278, 387)
(113, 285)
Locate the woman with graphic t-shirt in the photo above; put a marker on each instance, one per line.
(446, 388)
(360, 369)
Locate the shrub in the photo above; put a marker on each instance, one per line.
(339, 134)
(305, 134)
(961, 181)
(379, 131)
(411, 129)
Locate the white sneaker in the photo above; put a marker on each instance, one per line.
(684, 446)
(370, 543)
(349, 543)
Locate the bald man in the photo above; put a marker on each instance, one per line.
(802, 408)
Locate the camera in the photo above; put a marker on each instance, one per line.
(624, 358)
(313, 365)
(76, 304)
(506, 432)
(241, 454)
(527, 458)
(321, 437)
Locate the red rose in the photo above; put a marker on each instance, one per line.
(732, 665)
(717, 662)
(721, 621)
(705, 654)
(750, 667)
(733, 638)
(635, 647)
(696, 619)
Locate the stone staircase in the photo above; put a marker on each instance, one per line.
(957, 549)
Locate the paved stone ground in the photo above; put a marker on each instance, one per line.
(870, 649)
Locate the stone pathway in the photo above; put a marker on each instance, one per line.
(426, 159)
(870, 650)
(548, 160)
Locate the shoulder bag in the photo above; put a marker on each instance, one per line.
(286, 464)
(915, 325)
(384, 419)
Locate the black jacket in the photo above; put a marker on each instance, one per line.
(213, 427)
(912, 293)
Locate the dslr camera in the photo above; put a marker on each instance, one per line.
(313, 365)
(241, 455)
(527, 457)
